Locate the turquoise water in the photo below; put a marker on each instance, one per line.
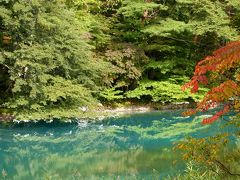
(137, 146)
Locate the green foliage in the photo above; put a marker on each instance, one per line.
(111, 94)
(49, 57)
(196, 17)
(195, 172)
(212, 155)
(164, 91)
(176, 34)
(68, 53)
(169, 67)
(135, 8)
(127, 61)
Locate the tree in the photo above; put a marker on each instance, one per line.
(48, 57)
(173, 35)
(220, 72)
(119, 46)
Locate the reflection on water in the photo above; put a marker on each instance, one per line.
(138, 146)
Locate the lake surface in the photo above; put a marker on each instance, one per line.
(137, 146)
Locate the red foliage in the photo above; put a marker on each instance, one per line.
(216, 116)
(224, 59)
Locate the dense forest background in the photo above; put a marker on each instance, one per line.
(59, 55)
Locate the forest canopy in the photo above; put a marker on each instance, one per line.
(64, 54)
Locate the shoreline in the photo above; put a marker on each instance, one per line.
(103, 112)
(148, 107)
